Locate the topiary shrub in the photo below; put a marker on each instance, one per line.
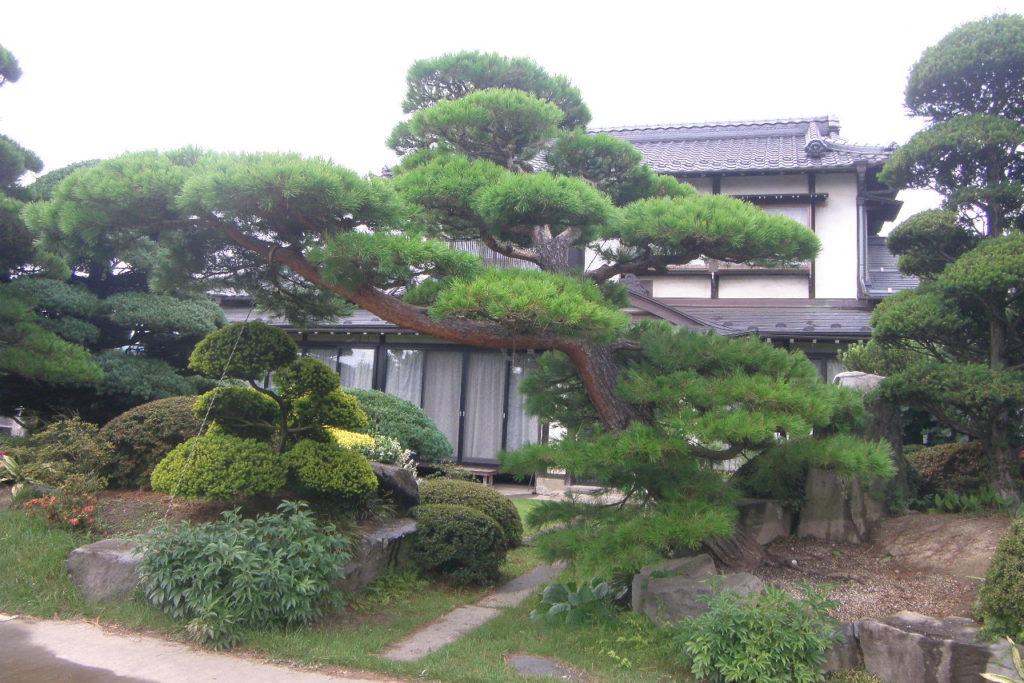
(239, 573)
(1002, 593)
(326, 467)
(464, 545)
(64, 448)
(240, 411)
(142, 436)
(479, 497)
(254, 349)
(219, 466)
(335, 408)
(405, 421)
(958, 467)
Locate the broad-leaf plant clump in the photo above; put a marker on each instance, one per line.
(495, 150)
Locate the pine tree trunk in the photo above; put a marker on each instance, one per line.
(599, 374)
(1003, 462)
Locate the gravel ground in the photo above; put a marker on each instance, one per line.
(899, 571)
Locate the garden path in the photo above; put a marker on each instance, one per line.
(43, 651)
(452, 626)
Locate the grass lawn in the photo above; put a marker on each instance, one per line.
(32, 559)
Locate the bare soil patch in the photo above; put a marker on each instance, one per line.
(931, 564)
(125, 513)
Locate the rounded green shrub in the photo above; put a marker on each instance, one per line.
(334, 409)
(464, 545)
(958, 467)
(479, 497)
(254, 349)
(303, 376)
(241, 411)
(1002, 593)
(405, 421)
(142, 436)
(326, 467)
(220, 467)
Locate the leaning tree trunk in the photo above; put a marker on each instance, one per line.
(1003, 462)
(741, 551)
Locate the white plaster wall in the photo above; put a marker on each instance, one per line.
(691, 286)
(835, 272)
(702, 184)
(766, 184)
(762, 286)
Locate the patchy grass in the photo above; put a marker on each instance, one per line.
(524, 505)
(32, 559)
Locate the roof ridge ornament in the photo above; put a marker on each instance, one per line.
(815, 146)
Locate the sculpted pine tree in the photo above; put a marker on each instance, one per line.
(959, 338)
(493, 151)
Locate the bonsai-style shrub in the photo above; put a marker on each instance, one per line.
(326, 467)
(405, 421)
(479, 497)
(254, 349)
(306, 395)
(142, 436)
(958, 467)
(462, 544)
(1002, 593)
(219, 466)
(239, 573)
(64, 448)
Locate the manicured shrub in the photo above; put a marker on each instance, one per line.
(479, 497)
(405, 421)
(238, 573)
(254, 349)
(64, 448)
(462, 544)
(326, 467)
(770, 638)
(1002, 593)
(220, 467)
(958, 467)
(142, 436)
(240, 411)
(303, 376)
(335, 408)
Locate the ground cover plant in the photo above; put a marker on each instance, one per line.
(1002, 593)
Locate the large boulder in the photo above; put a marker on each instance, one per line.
(765, 519)
(859, 381)
(387, 545)
(673, 590)
(912, 647)
(399, 484)
(105, 569)
(838, 510)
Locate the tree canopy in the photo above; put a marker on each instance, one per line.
(954, 345)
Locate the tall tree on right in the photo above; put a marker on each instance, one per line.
(960, 335)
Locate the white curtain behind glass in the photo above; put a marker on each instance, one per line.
(523, 428)
(442, 391)
(405, 374)
(485, 398)
(356, 368)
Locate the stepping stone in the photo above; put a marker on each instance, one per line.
(439, 633)
(522, 587)
(538, 666)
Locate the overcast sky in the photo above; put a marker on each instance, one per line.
(327, 78)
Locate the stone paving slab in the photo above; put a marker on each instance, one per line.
(522, 587)
(461, 621)
(439, 633)
(540, 666)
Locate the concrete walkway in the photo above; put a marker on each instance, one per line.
(458, 622)
(36, 651)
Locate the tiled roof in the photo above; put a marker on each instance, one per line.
(823, 319)
(748, 146)
(884, 277)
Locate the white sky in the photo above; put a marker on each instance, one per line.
(327, 78)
